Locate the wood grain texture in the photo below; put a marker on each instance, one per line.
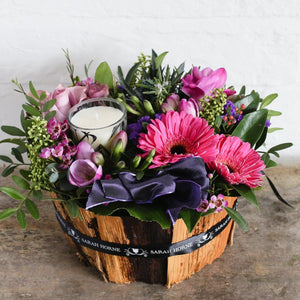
(128, 230)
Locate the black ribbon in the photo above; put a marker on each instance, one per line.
(152, 251)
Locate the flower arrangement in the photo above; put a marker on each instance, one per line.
(189, 141)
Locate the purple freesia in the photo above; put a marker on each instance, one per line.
(201, 83)
(84, 150)
(83, 172)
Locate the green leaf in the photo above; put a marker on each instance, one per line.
(190, 218)
(273, 113)
(21, 217)
(250, 101)
(32, 101)
(12, 192)
(265, 157)
(25, 174)
(43, 96)
(237, 217)
(159, 59)
(14, 141)
(262, 138)
(22, 183)
(31, 110)
(273, 129)
(144, 212)
(32, 209)
(104, 75)
(17, 154)
(246, 192)
(37, 194)
(54, 177)
(242, 90)
(7, 213)
(8, 170)
(271, 164)
(73, 208)
(12, 130)
(33, 90)
(49, 104)
(280, 147)
(268, 100)
(131, 72)
(251, 126)
(6, 158)
(50, 115)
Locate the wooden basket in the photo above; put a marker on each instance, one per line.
(130, 231)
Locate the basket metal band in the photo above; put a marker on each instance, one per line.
(156, 251)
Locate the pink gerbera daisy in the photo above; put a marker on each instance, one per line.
(237, 162)
(179, 135)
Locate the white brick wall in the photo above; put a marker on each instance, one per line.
(257, 41)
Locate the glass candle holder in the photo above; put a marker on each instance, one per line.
(97, 120)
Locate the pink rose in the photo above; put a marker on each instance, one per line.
(95, 90)
(67, 98)
(201, 83)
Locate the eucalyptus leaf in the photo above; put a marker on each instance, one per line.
(22, 183)
(21, 217)
(12, 130)
(237, 217)
(32, 209)
(53, 177)
(104, 75)
(12, 192)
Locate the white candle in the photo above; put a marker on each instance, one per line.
(96, 124)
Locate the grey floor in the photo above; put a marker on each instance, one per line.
(264, 263)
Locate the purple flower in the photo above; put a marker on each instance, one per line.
(135, 129)
(232, 114)
(46, 153)
(189, 106)
(201, 83)
(84, 151)
(171, 103)
(83, 172)
(268, 123)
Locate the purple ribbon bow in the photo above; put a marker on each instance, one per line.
(181, 185)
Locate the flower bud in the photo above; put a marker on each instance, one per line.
(171, 103)
(97, 158)
(149, 108)
(121, 136)
(136, 161)
(121, 164)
